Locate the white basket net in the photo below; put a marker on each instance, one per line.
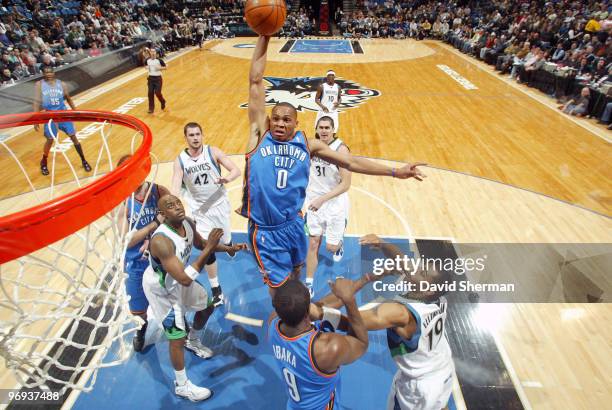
(64, 310)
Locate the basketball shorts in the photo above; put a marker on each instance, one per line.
(278, 249)
(429, 392)
(133, 285)
(329, 220)
(332, 114)
(215, 217)
(67, 127)
(169, 306)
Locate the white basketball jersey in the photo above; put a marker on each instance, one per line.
(325, 176)
(182, 250)
(330, 95)
(428, 350)
(199, 176)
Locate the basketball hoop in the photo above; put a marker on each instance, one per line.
(63, 306)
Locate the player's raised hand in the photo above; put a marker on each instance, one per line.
(411, 171)
(344, 289)
(214, 237)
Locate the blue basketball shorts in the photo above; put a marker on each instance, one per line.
(279, 249)
(67, 127)
(133, 285)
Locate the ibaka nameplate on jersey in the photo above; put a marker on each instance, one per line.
(276, 177)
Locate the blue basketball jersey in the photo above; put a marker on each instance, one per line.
(309, 388)
(52, 96)
(275, 180)
(148, 214)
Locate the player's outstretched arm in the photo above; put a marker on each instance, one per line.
(385, 316)
(225, 161)
(257, 93)
(177, 178)
(363, 165)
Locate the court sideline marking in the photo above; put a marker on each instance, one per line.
(531, 94)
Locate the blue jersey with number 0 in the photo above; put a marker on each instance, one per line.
(309, 388)
(275, 180)
(52, 96)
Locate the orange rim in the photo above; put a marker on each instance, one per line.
(31, 229)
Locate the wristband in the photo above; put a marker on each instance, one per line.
(393, 172)
(191, 272)
(332, 316)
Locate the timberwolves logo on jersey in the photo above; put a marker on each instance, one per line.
(300, 92)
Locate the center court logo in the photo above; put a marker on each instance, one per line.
(300, 92)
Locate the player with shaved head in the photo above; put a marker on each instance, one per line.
(276, 176)
(170, 286)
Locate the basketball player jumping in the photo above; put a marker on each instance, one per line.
(309, 358)
(142, 217)
(172, 291)
(327, 202)
(52, 95)
(198, 169)
(328, 97)
(276, 176)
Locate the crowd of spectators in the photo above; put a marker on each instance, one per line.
(39, 33)
(299, 23)
(572, 39)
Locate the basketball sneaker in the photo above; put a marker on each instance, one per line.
(338, 254)
(43, 167)
(163, 105)
(192, 392)
(139, 339)
(218, 297)
(198, 348)
(86, 166)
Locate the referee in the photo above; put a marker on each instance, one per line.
(154, 67)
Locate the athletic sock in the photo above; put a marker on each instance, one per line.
(309, 281)
(181, 377)
(79, 151)
(193, 334)
(214, 282)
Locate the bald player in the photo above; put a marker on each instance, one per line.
(170, 286)
(276, 176)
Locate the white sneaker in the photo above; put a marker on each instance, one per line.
(339, 254)
(192, 392)
(198, 348)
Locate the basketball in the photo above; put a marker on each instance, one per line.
(265, 17)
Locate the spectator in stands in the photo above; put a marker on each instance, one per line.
(559, 53)
(605, 117)
(7, 78)
(578, 106)
(94, 51)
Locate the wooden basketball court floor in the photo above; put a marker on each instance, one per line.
(503, 168)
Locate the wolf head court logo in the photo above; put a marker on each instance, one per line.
(301, 91)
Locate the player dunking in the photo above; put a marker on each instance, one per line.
(142, 217)
(308, 358)
(328, 98)
(198, 170)
(276, 176)
(52, 95)
(327, 202)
